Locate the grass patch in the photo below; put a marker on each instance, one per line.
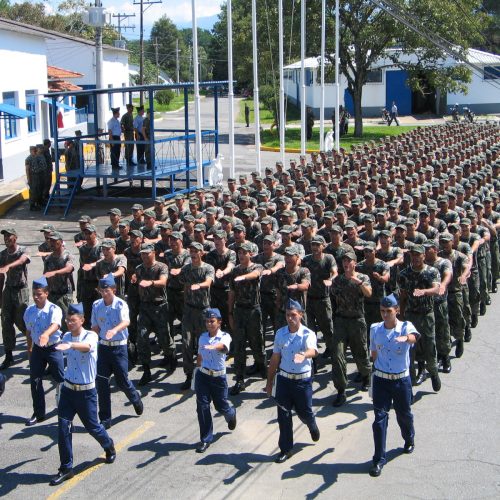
(292, 136)
(176, 103)
(292, 113)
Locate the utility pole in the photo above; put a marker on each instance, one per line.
(122, 17)
(99, 81)
(177, 67)
(143, 6)
(155, 45)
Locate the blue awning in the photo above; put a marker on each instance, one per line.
(60, 104)
(13, 112)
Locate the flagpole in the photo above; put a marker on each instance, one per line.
(197, 114)
(230, 88)
(337, 76)
(256, 103)
(302, 76)
(282, 118)
(322, 106)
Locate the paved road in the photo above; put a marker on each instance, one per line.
(457, 442)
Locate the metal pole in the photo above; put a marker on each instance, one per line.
(141, 51)
(256, 86)
(282, 119)
(337, 76)
(230, 88)
(177, 69)
(197, 114)
(303, 76)
(322, 105)
(99, 79)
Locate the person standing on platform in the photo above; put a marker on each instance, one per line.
(43, 332)
(14, 296)
(48, 153)
(146, 131)
(78, 394)
(127, 124)
(390, 343)
(115, 131)
(138, 123)
(110, 319)
(290, 372)
(210, 379)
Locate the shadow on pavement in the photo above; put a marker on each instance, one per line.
(11, 480)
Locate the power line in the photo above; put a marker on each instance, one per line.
(121, 17)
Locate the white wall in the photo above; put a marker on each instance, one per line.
(25, 56)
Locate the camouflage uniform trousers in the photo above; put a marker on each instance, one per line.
(89, 296)
(456, 314)
(319, 318)
(134, 305)
(372, 315)
(129, 148)
(474, 292)
(495, 261)
(268, 308)
(424, 350)
(443, 340)
(153, 318)
(47, 182)
(467, 309)
(193, 325)
(175, 299)
(352, 331)
(218, 299)
(483, 279)
(37, 187)
(63, 301)
(15, 301)
(247, 326)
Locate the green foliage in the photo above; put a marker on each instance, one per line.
(164, 96)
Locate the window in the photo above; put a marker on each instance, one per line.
(491, 72)
(374, 76)
(10, 123)
(31, 106)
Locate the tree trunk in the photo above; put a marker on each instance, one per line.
(358, 114)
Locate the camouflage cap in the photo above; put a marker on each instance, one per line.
(147, 248)
(150, 213)
(136, 233)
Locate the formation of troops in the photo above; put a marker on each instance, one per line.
(320, 248)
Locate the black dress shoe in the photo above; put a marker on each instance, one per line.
(110, 455)
(139, 407)
(146, 376)
(339, 400)
(238, 387)
(409, 447)
(436, 383)
(468, 334)
(365, 383)
(315, 434)
(494, 288)
(421, 376)
(34, 420)
(202, 447)
(376, 470)
(61, 477)
(459, 349)
(473, 321)
(482, 309)
(231, 424)
(446, 364)
(282, 457)
(488, 301)
(186, 385)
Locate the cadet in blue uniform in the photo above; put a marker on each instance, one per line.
(78, 394)
(294, 348)
(390, 342)
(110, 319)
(43, 330)
(210, 378)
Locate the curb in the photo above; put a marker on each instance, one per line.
(287, 150)
(13, 200)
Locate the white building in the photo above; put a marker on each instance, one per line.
(30, 50)
(387, 83)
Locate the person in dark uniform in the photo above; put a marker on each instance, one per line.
(309, 123)
(43, 322)
(390, 342)
(110, 319)
(14, 296)
(210, 378)
(290, 370)
(247, 115)
(78, 394)
(127, 124)
(115, 131)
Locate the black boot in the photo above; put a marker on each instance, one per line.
(9, 360)
(365, 383)
(446, 364)
(474, 320)
(482, 309)
(468, 334)
(146, 376)
(420, 374)
(459, 349)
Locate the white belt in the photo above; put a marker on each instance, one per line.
(113, 343)
(212, 373)
(79, 387)
(392, 376)
(295, 376)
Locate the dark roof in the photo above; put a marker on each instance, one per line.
(10, 25)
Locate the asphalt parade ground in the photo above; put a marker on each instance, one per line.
(457, 453)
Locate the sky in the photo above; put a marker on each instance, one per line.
(179, 11)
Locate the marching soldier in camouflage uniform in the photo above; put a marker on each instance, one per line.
(58, 270)
(349, 291)
(112, 264)
(196, 277)
(151, 277)
(14, 292)
(245, 316)
(90, 253)
(112, 231)
(419, 283)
